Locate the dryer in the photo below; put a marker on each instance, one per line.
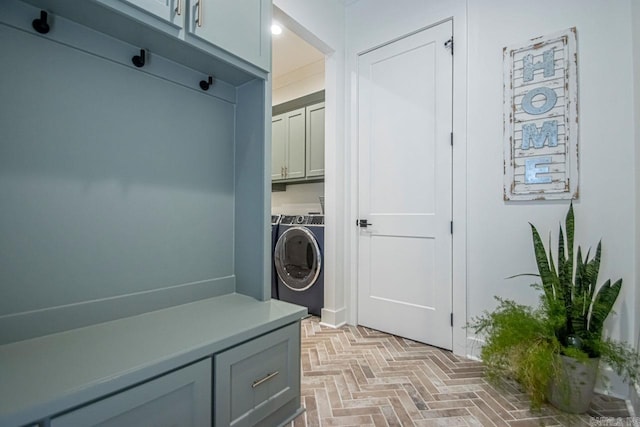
(299, 261)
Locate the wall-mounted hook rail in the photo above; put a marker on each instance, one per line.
(139, 60)
(40, 24)
(204, 84)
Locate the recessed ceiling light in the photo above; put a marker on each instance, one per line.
(276, 29)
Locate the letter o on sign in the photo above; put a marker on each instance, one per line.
(550, 100)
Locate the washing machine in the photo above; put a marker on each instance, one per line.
(299, 261)
(275, 221)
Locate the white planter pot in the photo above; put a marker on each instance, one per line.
(573, 390)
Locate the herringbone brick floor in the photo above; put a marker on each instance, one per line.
(355, 376)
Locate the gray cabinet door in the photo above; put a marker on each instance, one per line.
(181, 398)
(278, 147)
(255, 379)
(296, 135)
(315, 140)
(170, 11)
(241, 27)
(288, 145)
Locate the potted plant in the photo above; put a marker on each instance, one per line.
(553, 350)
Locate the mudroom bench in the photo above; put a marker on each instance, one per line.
(218, 361)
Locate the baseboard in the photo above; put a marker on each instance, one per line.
(610, 384)
(333, 318)
(31, 324)
(634, 400)
(474, 348)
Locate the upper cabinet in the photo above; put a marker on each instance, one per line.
(222, 38)
(315, 140)
(171, 11)
(240, 27)
(298, 145)
(288, 145)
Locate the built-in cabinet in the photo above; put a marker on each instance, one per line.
(298, 145)
(256, 378)
(180, 398)
(201, 343)
(314, 143)
(288, 145)
(247, 383)
(240, 27)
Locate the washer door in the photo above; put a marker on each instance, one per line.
(297, 258)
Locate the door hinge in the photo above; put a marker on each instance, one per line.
(451, 226)
(449, 45)
(452, 139)
(452, 320)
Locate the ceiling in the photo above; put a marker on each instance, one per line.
(290, 52)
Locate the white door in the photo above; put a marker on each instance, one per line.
(405, 173)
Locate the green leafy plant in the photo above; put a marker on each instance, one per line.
(523, 343)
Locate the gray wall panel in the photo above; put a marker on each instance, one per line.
(112, 181)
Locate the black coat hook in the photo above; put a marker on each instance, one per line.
(204, 84)
(139, 60)
(40, 24)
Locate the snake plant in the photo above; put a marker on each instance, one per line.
(571, 292)
(522, 343)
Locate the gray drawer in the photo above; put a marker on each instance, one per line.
(256, 378)
(181, 398)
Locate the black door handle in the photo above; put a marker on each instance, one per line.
(363, 223)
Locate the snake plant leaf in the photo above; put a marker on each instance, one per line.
(565, 283)
(580, 303)
(592, 269)
(570, 228)
(547, 275)
(602, 306)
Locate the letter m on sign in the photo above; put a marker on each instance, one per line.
(548, 132)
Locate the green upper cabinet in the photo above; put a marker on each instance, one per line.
(288, 145)
(240, 27)
(315, 140)
(170, 11)
(298, 145)
(278, 147)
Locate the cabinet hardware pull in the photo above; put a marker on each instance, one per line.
(282, 171)
(256, 383)
(286, 171)
(178, 9)
(199, 16)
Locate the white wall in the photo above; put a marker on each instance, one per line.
(635, 17)
(322, 24)
(498, 233)
(298, 83)
(298, 199)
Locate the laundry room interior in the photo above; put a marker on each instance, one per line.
(297, 197)
(298, 79)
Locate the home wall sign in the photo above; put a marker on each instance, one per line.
(541, 118)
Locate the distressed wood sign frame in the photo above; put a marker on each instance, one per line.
(541, 118)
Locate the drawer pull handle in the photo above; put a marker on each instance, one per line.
(256, 383)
